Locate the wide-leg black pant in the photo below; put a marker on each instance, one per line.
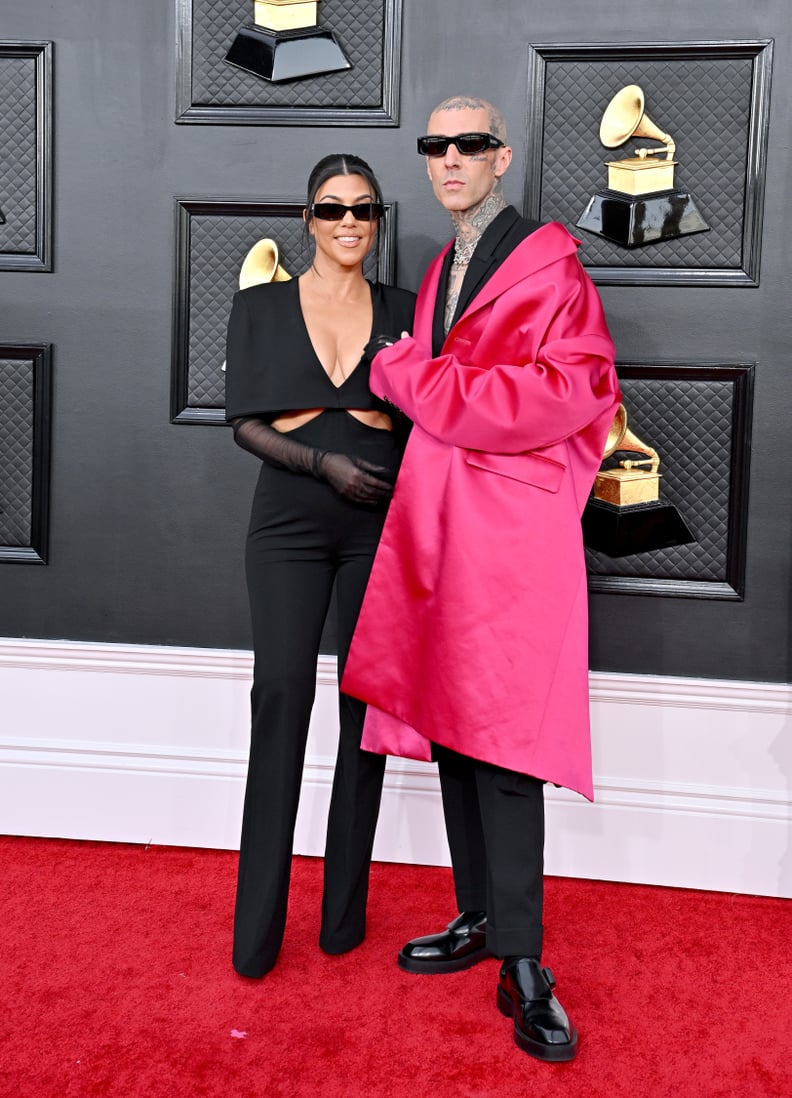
(303, 540)
(495, 824)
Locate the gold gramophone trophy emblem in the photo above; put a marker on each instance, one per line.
(261, 264)
(284, 43)
(641, 204)
(624, 513)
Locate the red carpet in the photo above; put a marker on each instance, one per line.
(116, 980)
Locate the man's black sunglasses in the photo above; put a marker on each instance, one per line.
(361, 211)
(467, 143)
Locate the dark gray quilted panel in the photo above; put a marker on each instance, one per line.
(16, 451)
(689, 423)
(704, 103)
(358, 25)
(218, 245)
(18, 154)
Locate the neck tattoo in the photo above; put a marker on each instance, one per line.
(463, 251)
(471, 225)
(469, 229)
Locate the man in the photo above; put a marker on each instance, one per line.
(471, 647)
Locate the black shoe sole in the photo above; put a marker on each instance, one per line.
(556, 1054)
(434, 968)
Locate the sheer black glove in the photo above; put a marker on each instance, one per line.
(378, 343)
(274, 447)
(354, 478)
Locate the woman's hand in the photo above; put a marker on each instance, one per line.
(355, 479)
(379, 343)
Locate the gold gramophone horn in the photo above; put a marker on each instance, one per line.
(261, 265)
(620, 437)
(631, 482)
(625, 117)
(616, 432)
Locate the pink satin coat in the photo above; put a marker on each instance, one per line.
(474, 630)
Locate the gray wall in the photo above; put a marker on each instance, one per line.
(147, 518)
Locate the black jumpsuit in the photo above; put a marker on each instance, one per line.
(303, 539)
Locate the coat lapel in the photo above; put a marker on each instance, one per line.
(546, 245)
(427, 295)
(492, 275)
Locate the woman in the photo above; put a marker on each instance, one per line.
(297, 396)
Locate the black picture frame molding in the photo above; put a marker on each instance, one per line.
(386, 113)
(39, 355)
(40, 257)
(732, 586)
(759, 52)
(183, 411)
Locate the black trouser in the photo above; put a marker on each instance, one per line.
(495, 824)
(303, 539)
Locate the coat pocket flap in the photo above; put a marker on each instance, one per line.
(532, 469)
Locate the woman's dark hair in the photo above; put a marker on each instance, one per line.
(341, 164)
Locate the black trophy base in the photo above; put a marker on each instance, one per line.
(637, 528)
(636, 220)
(278, 56)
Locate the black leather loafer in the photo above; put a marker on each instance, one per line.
(541, 1026)
(462, 944)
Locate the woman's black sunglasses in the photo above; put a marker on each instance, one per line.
(335, 211)
(467, 143)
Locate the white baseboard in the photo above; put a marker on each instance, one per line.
(145, 744)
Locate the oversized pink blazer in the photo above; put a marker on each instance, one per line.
(473, 630)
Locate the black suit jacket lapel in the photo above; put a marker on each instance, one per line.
(438, 320)
(497, 242)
